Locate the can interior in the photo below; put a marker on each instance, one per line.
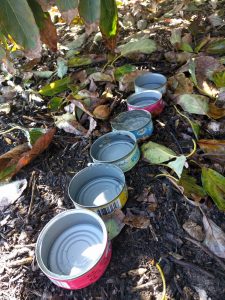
(150, 81)
(71, 245)
(112, 147)
(96, 185)
(131, 120)
(144, 99)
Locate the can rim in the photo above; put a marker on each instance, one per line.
(118, 132)
(130, 112)
(159, 75)
(40, 262)
(94, 165)
(130, 98)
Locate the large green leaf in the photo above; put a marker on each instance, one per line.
(108, 20)
(146, 46)
(65, 5)
(216, 47)
(177, 165)
(89, 10)
(191, 188)
(194, 104)
(16, 19)
(214, 185)
(55, 87)
(156, 153)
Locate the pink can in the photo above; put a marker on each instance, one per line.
(149, 100)
(73, 249)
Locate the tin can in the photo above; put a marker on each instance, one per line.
(119, 148)
(100, 188)
(138, 122)
(73, 250)
(150, 101)
(150, 81)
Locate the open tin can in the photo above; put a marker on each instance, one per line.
(150, 101)
(119, 148)
(138, 122)
(73, 250)
(150, 81)
(100, 188)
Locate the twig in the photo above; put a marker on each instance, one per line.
(163, 280)
(20, 262)
(21, 246)
(212, 255)
(191, 266)
(32, 196)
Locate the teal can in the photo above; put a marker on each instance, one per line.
(118, 147)
(138, 122)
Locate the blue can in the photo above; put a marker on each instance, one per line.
(138, 122)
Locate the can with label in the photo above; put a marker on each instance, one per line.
(138, 122)
(100, 188)
(119, 148)
(73, 250)
(150, 81)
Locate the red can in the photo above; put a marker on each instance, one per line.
(150, 101)
(73, 250)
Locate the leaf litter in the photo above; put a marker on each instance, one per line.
(88, 112)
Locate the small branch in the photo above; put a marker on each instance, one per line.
(32, 196)
(20, 262)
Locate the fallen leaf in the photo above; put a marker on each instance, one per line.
(62, 67)
(180, 84)
(99, 76)
(33, 135)
(43, 74)
(137, 221)
(215, 112)
(194, 104)
(215, 20)
(177, 57)
(175, 38)
(55, 87)
(215, 149)
(215, 237)
(194, 230)
(146, 46)
(68, 123)
(102, 112)
(121, 71)
(214, 185)
(10, 192)
(114, 223)
(126, 83)
(55, 103)
(190, 188)
(156, 153)
(77, 42)
(85, 60)
(14, 160)
(5, 108)
(177, 165)
(219, 79)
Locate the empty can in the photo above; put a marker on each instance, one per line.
(119, 148)
(150, 81)
(73, 250)
(148, 100)
(99, 187)
(138, 122)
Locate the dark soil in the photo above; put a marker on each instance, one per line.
(164, 241)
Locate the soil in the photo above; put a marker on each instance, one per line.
(164, 241)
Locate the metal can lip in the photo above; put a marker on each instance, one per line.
(107, 136)
(50, 224)
(98, 165)
(147, 93)
(124, 117)
(150, 78)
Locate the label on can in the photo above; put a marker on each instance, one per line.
(109, 208)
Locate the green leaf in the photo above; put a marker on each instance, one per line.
(65, 5)
(194, 104)
(108, 18)
(80, 61)
(146, 46)
(55, 87)
(177, 165)
(216, 47)
(2, 53)
(89, 10)
(43, 74)
(16, 19)
(219, 79)
(62, 67)
(191, 188)
(38, 13)
(186, 47)
(214, 185)
(33, 135)
(191, 70)
(156, 153)
(55, 103)
(121, 71)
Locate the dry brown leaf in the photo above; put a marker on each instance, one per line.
(137, 221)
(215, 148)
(178, 57)
(48, 34)
(102, 112)
(194, 230)
(216, 112)
(127, 82)
(180, 84)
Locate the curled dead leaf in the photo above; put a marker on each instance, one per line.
(102, 112)
(137, 221)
